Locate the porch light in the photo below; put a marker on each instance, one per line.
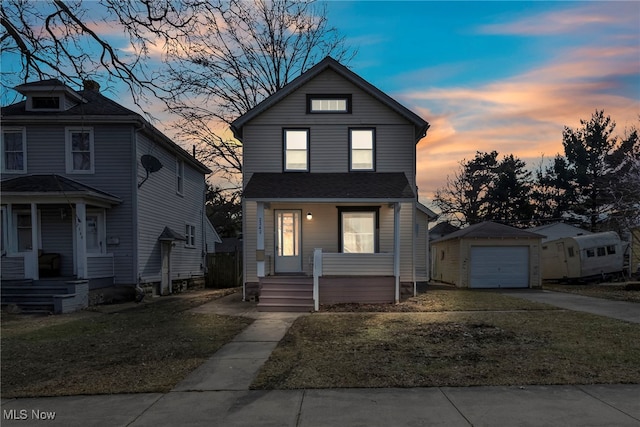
(309, 216)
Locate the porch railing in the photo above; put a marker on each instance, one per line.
(344, 264)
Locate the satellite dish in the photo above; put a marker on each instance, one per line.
(150, 164)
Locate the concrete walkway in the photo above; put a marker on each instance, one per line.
(217, 394)
(621, 310)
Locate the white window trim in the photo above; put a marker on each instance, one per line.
(24, 150)
(179, 176)
(69, 155)
(191, 235)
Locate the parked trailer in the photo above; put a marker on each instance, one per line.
(597, 255)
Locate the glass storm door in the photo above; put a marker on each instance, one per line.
(288, 242)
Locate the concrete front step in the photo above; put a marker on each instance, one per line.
(285, 308)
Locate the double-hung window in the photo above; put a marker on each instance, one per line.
(80, 150)
(14, 150)
(296, 150)
(362, 149)
(359, 230)
(190, 235)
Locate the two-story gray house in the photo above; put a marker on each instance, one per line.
(330, 209)
(91, 190)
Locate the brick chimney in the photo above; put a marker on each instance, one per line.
(91, 85)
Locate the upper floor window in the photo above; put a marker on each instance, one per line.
(329, 104)
(296, 150)
(179, 176)
(45, 103)
(362, 149)
(80, 150)
(14, 150)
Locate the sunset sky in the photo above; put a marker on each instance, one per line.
(504, 76)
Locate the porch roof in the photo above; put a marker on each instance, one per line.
(360, 186)
(53, 186)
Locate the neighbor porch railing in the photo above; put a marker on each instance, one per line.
(344, 264)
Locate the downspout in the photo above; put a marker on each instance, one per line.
(396, 249)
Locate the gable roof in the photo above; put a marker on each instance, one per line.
(92, 107)
(490, 230)
(332, 186)
(443, 228)
(420, 124)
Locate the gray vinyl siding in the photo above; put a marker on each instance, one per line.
(329, 133)
(12, 268)
(160, 206)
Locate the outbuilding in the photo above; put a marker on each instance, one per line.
(488, 255)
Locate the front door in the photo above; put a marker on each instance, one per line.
(288, 241)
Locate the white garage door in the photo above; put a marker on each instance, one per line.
(499, 267)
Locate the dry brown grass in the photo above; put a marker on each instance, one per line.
(128, 348)
(469, 344)
(629, 291)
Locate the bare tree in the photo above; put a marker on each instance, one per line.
(58, 39)
(208, 61)
(240, 53)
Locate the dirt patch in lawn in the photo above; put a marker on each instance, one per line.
(129, 348)
(453, 349)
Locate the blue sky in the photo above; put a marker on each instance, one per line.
(504, 76)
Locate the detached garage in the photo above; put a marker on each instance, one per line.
(487, 255)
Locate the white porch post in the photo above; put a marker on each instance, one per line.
(260, 257)
(81, 240)
(396, 248)
(317, 273)
(35, 274)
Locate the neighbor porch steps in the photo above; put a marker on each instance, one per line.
(286, 293)
(34, 296)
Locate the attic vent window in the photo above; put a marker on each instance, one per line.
(329, 104)
(45, 103)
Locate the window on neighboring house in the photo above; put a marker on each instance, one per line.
(601, 251)
(362, 154)
(95, 232)
(296, 150)
(80, 150)
(14, 153)
(329, 104)
(45, 103)
(358, 230)
(190, 235)
(590, 253)
(611, 249)
(179, 176)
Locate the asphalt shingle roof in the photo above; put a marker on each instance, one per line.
(330, 186)
(51, 183)
(488, 230)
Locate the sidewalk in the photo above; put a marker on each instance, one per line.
(217, 394)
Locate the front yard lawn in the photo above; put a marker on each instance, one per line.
(511, 346)
(147, 347)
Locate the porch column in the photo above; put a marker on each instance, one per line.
(34, 273)
(260, 241)
(396, 248)
(81, 240)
